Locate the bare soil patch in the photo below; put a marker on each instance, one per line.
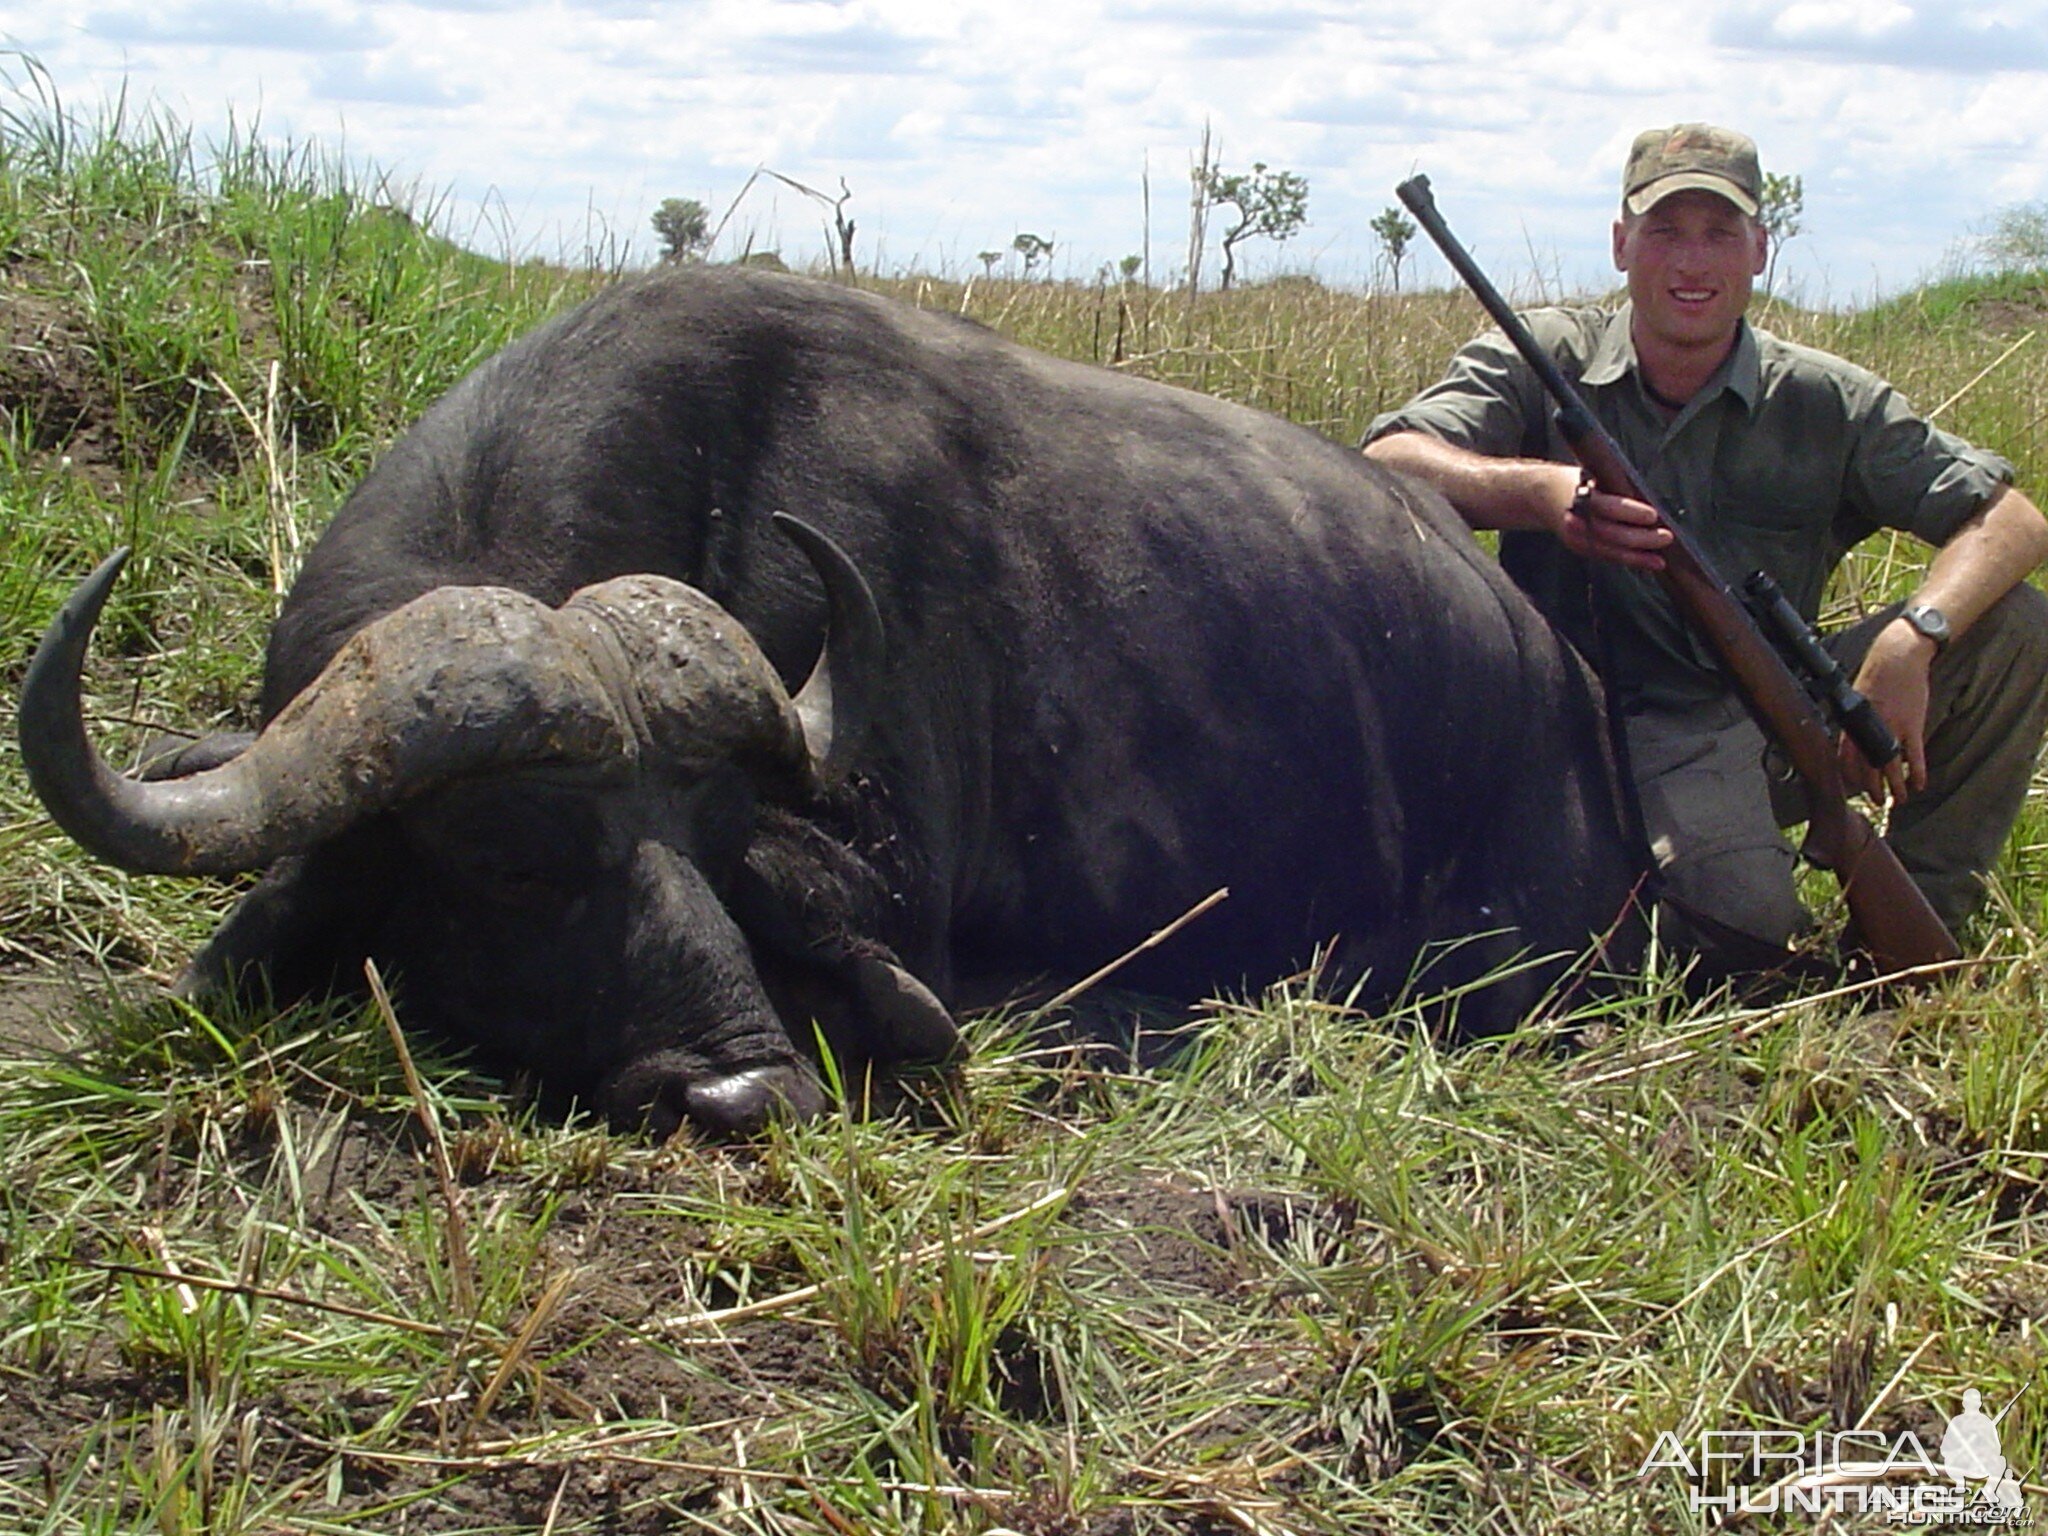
(35, 1014)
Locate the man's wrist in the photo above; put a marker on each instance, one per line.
(1928, 622)
(1904, 637)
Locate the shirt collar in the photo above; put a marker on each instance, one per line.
(1614, 357)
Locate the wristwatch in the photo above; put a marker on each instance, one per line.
(1930, 621)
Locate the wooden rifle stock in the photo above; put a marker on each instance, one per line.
(1891, 915)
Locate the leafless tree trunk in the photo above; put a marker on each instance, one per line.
(1198, 211)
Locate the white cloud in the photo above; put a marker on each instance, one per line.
(392, 81)
(265, 24)
(1956, 37)
(956, 124)
(1824, 19)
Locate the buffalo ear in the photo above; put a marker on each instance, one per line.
(911, 1026)
(869, 1010)
(798, 899)
(175, 757)
(304, 928)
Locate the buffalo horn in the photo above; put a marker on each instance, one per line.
(705, 693)
(463, 679)
(836, 704)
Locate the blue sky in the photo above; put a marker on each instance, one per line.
(956, 126)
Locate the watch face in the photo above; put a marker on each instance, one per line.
(1931, 622)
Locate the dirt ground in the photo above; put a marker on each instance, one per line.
(613, 1355)
(34, 1014)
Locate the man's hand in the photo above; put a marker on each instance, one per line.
(1983, 560)
(1613, 528)
(1894, 677)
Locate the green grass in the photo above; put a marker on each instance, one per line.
(1320, 1274)
(1963, 297)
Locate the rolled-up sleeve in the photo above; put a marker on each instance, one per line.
(1485, 402)
(1907, 473)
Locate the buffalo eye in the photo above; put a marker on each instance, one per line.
(719, 812)
(508, 841)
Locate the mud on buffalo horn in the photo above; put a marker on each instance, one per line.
(463, 680)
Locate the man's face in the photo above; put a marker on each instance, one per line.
(1690, 262)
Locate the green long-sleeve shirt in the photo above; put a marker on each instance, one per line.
(1785, 460)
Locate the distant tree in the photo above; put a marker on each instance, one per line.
(1128, 267)
(988, 260)
(1033, 248)
(842, 226)
(841, 252)
(684, 226)
(1269, 203)
(1780, 210)
(2018, 238)
(1395, 229)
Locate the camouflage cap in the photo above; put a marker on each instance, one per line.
(1668, 160)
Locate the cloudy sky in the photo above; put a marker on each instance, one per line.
(957, 126)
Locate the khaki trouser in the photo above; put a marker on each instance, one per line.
(1713, 813)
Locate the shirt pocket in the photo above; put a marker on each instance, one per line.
(1780, 517)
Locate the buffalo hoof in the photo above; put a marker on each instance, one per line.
(654, 1097)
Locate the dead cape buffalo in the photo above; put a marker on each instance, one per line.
(1097, 647)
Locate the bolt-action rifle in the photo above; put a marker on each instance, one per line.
(1890, 915)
